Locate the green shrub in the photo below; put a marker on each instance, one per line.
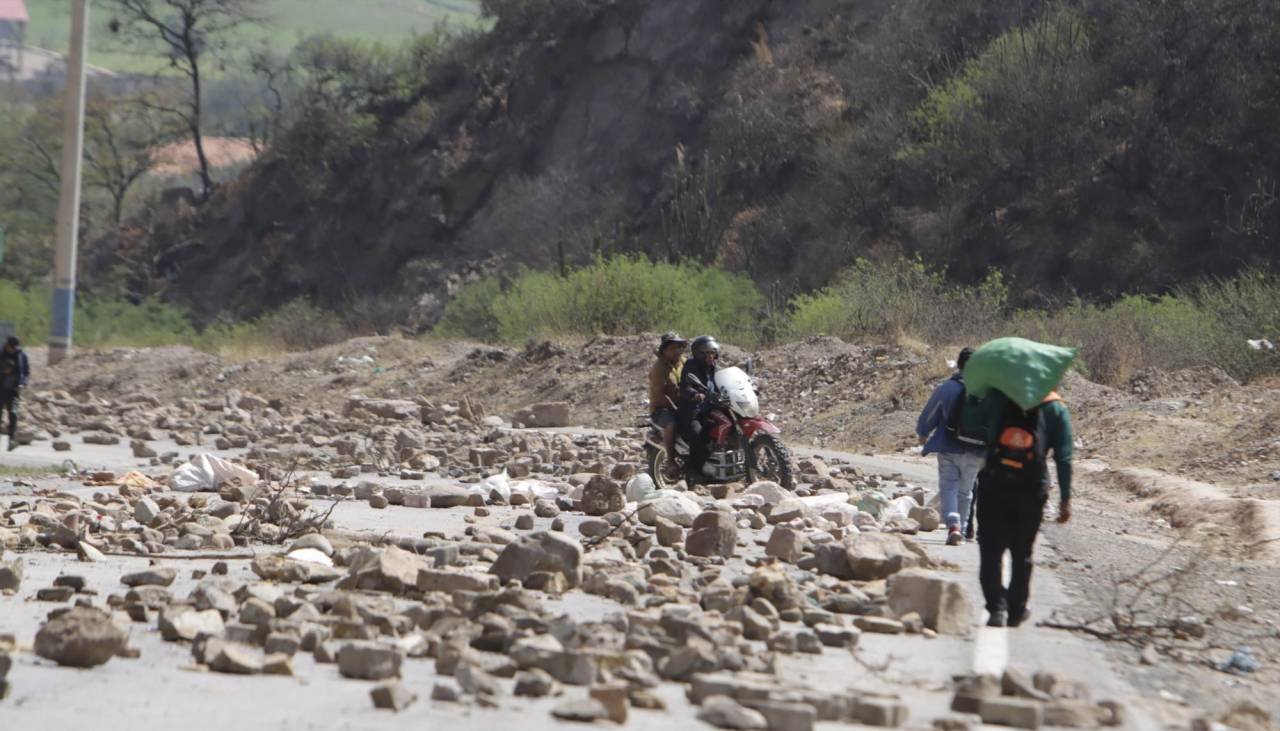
(612, 296)
(902, 298)
(1243, 308)
(1020, 104)
(1120, 338)
(27, 309)
(470, 314)
(103, 323)
(119, 323)
(300, 325)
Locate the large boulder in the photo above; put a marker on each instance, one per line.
(678, 509)
(785, 544)
(382, 408)
(833, 560)
(284, 569)
(365, 660)
(541, 551)
(10, 575)
(714, 534)
(548, 415)
(772, 492)
(927, 518)
(874, 556)
(390, 569)
(81, 637)
(602, 496)
(186, 623)
(941, 601)
(777, 586)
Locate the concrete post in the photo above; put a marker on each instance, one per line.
(64, 256)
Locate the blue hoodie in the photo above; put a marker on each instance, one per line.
(933, 420)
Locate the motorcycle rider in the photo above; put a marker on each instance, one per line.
(664, 392)
(697, 383)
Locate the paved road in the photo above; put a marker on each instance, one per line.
(160, 689)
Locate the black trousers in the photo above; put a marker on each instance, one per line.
(1010, 520)
(697, 436)
(9, 403)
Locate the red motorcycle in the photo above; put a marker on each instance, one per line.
(743, 445)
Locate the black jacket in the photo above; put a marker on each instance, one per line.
(14, 370)
(697, 378)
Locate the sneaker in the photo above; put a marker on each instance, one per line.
(968, 532)
(1018, 618)
(996, 619)
(954, 538)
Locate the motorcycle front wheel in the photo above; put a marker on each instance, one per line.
(770, 460)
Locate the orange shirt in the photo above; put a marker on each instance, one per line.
(664, 384)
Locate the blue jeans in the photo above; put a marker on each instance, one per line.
(957, 474)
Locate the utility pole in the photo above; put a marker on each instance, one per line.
(64, 255)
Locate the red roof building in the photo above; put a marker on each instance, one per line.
(13, 34)
(14, 11)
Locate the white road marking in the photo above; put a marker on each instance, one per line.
(991, 651)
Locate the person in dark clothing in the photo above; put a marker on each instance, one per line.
(697, 383)
(1013, 488)
(14, 372)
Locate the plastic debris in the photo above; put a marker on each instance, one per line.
(1241, 661)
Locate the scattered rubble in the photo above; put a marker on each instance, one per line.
(711, 588)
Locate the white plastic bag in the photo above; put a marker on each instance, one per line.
(206, 473)
(495, 487)
(641, 489)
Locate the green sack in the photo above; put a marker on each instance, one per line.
(1024, 370)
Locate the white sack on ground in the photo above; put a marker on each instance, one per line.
(206, 473)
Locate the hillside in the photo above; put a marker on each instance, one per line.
(286, 21)
(1094, 149)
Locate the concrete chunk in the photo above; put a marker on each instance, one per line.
(1015, 712)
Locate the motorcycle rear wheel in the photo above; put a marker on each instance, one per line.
(656, 459)
(770, 460)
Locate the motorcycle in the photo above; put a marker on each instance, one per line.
(743, 445)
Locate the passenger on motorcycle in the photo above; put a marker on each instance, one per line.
(697, 383)
(664, 392)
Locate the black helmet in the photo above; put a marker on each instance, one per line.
(704, 343)
(670, 338)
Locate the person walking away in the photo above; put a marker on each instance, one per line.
(664, 391)
(1013, 488)
(697, 382)
(960, 457)
(14, 372)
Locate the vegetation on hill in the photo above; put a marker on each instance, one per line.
(1094, 172)
(285, 24)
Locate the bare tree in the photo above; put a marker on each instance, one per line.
(122, 137)
(187, 30)
(266, 117)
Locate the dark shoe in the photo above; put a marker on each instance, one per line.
(671, 471)
(968, 532)
(1018, 617)
(954, 538)
(996, 619)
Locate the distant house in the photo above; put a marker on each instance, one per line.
(13, 34)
